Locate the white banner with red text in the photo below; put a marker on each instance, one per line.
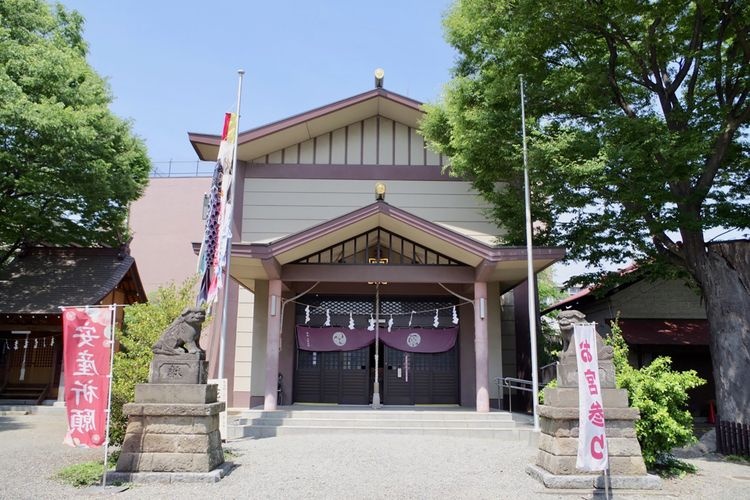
(592, 439)
(88, 334)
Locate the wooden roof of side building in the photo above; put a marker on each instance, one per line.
(44, 278)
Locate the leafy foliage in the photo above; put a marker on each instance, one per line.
(549, 340)
(638, 116)
(68, 166)
(637, 112)
(661, 396)
(142, 326)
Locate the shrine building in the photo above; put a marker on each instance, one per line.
(352, 240)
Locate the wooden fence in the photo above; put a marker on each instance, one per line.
(732, 438)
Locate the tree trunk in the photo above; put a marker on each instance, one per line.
(724, 273)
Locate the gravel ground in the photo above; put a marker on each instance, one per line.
(340, 466)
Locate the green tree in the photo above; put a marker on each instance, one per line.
(68, 166)
(638, 117)
(142, 326)
(549, 340)
(661, 396)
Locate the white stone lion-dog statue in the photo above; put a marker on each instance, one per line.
(183, 335)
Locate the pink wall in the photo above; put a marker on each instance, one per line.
(164, 222)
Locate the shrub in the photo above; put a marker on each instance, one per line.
(142, 326)
(661, 396)
(87, 473)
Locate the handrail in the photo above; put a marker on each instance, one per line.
(513, 383)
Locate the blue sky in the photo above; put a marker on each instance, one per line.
(172, 65)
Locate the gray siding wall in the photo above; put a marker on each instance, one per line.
(374, 141)
(274, 208)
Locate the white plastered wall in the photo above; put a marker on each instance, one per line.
(274, 208)
(244, 340)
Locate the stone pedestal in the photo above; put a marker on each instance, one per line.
(178, 369)
(555, 465)
(173, 429)
(558, 444)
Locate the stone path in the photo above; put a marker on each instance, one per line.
(335, 466)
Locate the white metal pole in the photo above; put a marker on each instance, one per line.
(112, 312)
(232, 197)
(376, 384)
(530, 269)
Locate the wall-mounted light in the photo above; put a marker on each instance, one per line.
(379, 191)
(482, 308)
(273, 305)
(379, 75)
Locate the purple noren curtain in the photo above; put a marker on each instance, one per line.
(425, 340)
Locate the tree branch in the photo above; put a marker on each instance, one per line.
(696, 41)
(7, 254)
(612, 77)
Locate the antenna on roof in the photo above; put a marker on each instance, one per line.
(379, 75)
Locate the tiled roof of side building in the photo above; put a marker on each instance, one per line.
(44, 278)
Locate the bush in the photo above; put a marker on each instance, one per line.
(661, 396)
(142, 326)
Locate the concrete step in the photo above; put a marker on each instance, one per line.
(263, 431)
(310, 421)
(369, 414)
(421, 421)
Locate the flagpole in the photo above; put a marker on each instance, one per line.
(113, 311)
(530, 269)
(228, 252)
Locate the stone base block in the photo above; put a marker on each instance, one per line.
(176, 393)
(594, 481)
(567, 373)
(566, 464)
(170, 462)
(571, 413)
(173, 410)
(569, 427)
(616, 446)
(171, 438)
(170, 477)
(147, 442)
(139, 424)
(178, 369)
(568, 397)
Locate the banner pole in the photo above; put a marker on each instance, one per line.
(228, 252)
(530, 270)
(112, 323)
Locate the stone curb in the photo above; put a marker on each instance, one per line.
(213, 476)
(588, 482)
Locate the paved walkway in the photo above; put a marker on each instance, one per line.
(338, 466)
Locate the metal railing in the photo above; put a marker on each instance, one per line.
(519, 384)
(512, 384)
(174, 168)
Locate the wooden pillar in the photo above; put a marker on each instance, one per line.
(481, 347)
(273, 343)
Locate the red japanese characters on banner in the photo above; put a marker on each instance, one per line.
(592, 440)
(87, 344)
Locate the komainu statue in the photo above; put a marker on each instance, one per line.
(566, 320)
(183, 335)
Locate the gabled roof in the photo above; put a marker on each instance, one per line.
(262, 140)
(44, 278)
(487, 262)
